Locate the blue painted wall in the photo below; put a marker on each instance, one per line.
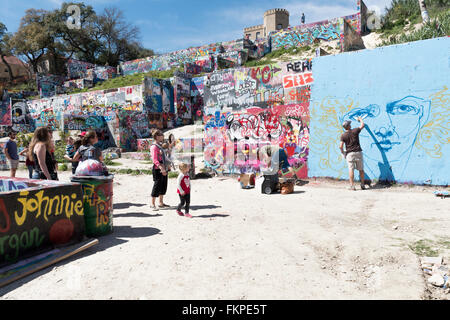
(403, 92)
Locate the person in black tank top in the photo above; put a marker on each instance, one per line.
(44, 166)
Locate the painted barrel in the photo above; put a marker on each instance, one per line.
(98, 203)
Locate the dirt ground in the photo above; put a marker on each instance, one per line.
(322, 242)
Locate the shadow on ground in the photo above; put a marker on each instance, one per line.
(136, 215)
(118, 237)
(381, 185)
(127, 205)
(206, 207)
(301, 182)
(212, 216)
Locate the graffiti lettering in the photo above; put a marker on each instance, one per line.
(56, 204)
(26, 240)
(297, 80)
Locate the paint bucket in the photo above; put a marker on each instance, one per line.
(97, 203)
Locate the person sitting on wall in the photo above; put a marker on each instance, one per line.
(39, 150)
(90, 157)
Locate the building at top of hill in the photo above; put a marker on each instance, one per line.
(274, 19)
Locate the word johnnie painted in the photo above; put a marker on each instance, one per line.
(45, 206)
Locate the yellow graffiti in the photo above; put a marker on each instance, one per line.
(55, 205)
(435, 134)
(324, 141)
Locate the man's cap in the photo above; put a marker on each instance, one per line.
(346, 123)
(82, 134)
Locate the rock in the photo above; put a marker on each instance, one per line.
(436, 280)
(395, 227)
(431, 260)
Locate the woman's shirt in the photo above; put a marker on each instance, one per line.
(89, 152)
(48, 161)
(157, 155)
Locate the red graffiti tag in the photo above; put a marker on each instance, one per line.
(297, 80)
(6, 215)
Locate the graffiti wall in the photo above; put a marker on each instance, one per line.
(77, 69)
(3, 161)
(79, 84)
(49, 85)
(197, 101)
(5, 113)
(22, 120)
(403, 95)
(38, 215)
(103, 73)
(182, 98)
(247, 108)
(131, 126)
(180, 58)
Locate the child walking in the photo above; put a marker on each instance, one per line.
(184, 190)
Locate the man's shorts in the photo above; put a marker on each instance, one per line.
(14, 164)
(355, 161)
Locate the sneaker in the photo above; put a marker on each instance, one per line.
(180, 213)
(154, 208)
(164, 206)
(363, 187)
(352, 188)
(187, 215)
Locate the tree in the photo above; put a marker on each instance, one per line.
(84, 42)
(5, 49)
(32, 38)
(120, 39)
(423, 9)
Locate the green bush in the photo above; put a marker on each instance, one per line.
(63, 167)
(437, 27)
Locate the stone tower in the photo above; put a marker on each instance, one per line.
(275, 19)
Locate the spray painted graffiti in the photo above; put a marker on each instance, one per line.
(35, 216)
(406, 138)
(5, 113)
(303, 35)
(49, 85)
(182, 99)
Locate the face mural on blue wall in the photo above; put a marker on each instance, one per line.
(390, 134)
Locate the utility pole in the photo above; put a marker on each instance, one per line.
(423, 9)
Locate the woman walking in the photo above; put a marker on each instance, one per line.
(39, 151)
(159, 171)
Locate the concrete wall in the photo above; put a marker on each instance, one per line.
(36, 215)
(246, 108)
(403, 93)
(307, 34)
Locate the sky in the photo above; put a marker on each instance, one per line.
(170, 25)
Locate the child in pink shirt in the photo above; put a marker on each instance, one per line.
(184, 190)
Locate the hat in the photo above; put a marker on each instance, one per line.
(346, 123)
(82, 134)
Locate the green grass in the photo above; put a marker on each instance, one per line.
(138, 172)
(276, 54)
(130, 80)
(404, 12)
(424, 248)
(114, 164)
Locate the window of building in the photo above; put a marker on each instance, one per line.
(258, 34)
